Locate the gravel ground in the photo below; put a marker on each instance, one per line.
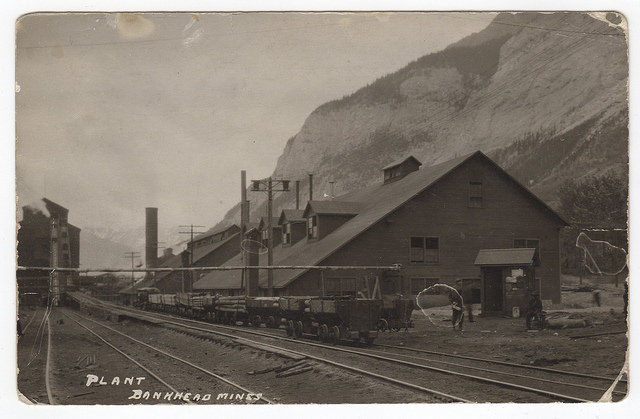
(77, 353)
(463, 387)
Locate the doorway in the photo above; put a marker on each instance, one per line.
(493, 290)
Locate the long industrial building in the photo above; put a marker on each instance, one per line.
(434, 221)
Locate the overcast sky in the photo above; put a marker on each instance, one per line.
(119, 112)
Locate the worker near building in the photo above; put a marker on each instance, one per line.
(457, 314)
(534, 311)
(470, 312)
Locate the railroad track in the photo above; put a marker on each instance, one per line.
(36, 365)
(176, 322)
(77, 319)
(26, 326)
(519, 382)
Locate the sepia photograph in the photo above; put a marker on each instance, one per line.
(289, 208)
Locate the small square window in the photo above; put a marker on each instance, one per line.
(425, 250)
(475, 194)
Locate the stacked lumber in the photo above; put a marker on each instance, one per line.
(209, 300)
(168, 299)
(262, 302)
(155, 298)
(235, 304)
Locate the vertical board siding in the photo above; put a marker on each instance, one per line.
(443, 211)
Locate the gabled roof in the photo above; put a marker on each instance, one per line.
(333, 207)
(263, 223)
(399, 162)
(54, 208)
(201, 251)
(174, 261)
(252, 225)
(214, 230)
(374, 204)
(291, 216)
(506, 257)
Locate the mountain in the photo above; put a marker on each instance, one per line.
(544, 94)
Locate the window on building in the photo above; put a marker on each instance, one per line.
(312, 227)
(286, 234)
(419, 284)
(425, 250)
(265, 236)
(475, 194)
(417, 249)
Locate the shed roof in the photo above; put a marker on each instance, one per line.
(399, 162)
(215, 230)
(506, 257)
(374, 204)
(274, 222)
(291, 216)
(201, 251)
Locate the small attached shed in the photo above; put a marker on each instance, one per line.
(508, 279)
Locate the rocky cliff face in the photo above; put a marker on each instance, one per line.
(543, 94)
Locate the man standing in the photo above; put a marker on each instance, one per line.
(457, 315)
(534, 311)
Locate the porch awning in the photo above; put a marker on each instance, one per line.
(506, 257)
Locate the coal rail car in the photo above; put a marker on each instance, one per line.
(330, 319)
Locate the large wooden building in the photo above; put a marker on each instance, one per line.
(211, 248)
(47, 240)
(433, 221)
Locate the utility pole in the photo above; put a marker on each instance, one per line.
(270, 237)
(191, 232)
(54, 278)
(132, 256)
(244, 220)
(268, 187)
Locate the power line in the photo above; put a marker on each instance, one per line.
(132, 256)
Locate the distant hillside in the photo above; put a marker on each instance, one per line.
(543, 94)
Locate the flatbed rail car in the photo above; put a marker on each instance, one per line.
(142, 297)
(264, 310)
(191, 304)
(333, 319)
(229, 310)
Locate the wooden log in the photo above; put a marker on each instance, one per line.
(294, 372)
(288, 367)
(264, 371)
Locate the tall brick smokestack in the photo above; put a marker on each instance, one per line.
(151, 238)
